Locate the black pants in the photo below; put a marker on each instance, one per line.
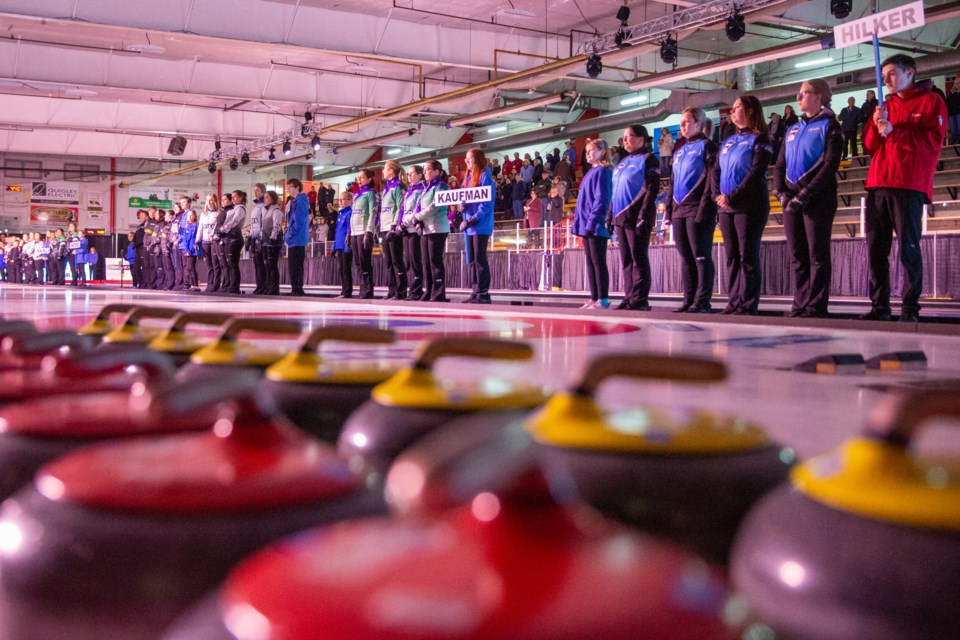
(413, 260)
(392, 246)
(271, 272)
(189, 271)
(30, 270)
(899, 210)
(149, 270)
(480, 266)
(432, 246)
(63, 271)
(808, 241)
(850, 141)
(178, 282)
(635, 259)
(79, 273)
(231, 257)
(220, 255)
(166, 259)
(295, 259)
(695, 244)
(741, 236)
(256, 254)
(53, 270)
(211, 253)
(136, 271)
(595, 250)
(3, 274)
(346, 273)
(363, 259)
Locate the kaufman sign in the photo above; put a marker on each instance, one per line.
(885, 23)
(463, 196)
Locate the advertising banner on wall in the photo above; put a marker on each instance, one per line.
(159, 197)
(55, 193)
(45, 217)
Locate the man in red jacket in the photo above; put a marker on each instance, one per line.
(904, 138)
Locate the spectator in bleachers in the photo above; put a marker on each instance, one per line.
(532, 216)
(727, 128)
(850, 118)
(866, 109)
(665, 145)
(526, 171)
(565, 170)
(495, 167)
(789, 117)
(953, 112)
(806, 182)
(777, 130)
(906, 133)
(518, 194)
(553, 159)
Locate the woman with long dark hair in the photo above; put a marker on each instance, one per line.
(590, 221)
(412, 233)
(272, 233)
(805, 178)
(478, 225)
(435, 227)
(692, 211)
(636, 183)
(744, 202)
(363, 224)
(391, 208)
(231, 233)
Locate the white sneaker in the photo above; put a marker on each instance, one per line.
(589, 304)
(600, 304)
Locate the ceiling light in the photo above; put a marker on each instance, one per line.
(668, 50)
(245, 159)
(273, 154)
(80, 92)
(145, 48)
(516, 107)
(594, 65)
(307, 116)
(287, 149)
(736, 28)
(319, 167)
(623, 13)
(394, 151)
(513, 11)
(812, 63)
(371, 142)
(633, 100)
(212, 167)
(499, 129)
(841, 8)
(620, 37)
(234, 164)
(315, 143)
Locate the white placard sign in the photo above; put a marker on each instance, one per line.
(885, 23)
(463, 196)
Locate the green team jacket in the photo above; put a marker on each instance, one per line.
(391, 204)
(364, 214)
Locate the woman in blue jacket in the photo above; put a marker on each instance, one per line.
(298, 234)
(805, 178)
(744, 202)
(189, 250)
(590, 221)
(77, 247)
(478, 225)
(692, 211)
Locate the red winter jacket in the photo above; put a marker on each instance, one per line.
(907, 158)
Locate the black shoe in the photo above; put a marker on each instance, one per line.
(909, 315)
(811, 313)
(640, 306)
(624, 304)
(795, 313)
(701, 308)
(425, 298)
(470, 300)
(877, 314)
(482, 300)
(729, 311)
(683, 308)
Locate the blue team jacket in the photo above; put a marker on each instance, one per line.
(593, 203)
(342, 231)
(805, 143)
(481, 211)
(298, 222)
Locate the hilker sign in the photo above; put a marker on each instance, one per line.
(885, 23)
(463, 196)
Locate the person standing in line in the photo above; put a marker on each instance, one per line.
(478, 225)
(168, 246)
(391, 208)
(435, 227)
(691, 209)
(136, 272)
(272, 234)
(805, 179)
(29, 268)
(255, 237)
(590, 218)
(905, 133)
(298, 235)
(190, 249)
(53, 257)
(953, 112)
(226, 204)
(412, 256)
(744, 203)
(636, 183)
(62, 257)
(77, 245)
(850, 119)
(231, 233)
(151, 249)
(665, 146)
(208, 223)
(341, 245)
(179, 220)
(363, 224)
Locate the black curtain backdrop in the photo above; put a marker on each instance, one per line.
(525, 271)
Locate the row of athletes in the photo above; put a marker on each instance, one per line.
(33, 259)
(729, 184)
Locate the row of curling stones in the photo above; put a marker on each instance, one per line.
(485, 542)
(864, 542)
(114, 540)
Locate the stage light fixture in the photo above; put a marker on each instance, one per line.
(315, 143)
(841, 8)
(623, 14)
(234, 164)
(212, 167)
(273, 154)
(245, 159)
(620, 36)
(307, 116)
(594, 65)
(736, 27)
(216, 145)
(668, 50)
(287, 149)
